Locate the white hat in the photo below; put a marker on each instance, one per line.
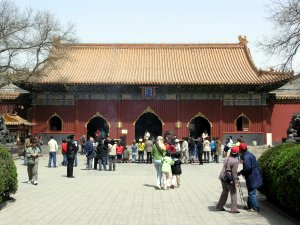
(176, 140)
(140, 139)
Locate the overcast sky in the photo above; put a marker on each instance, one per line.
(165, 21)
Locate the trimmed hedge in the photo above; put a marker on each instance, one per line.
(280, 167)
(8, 175)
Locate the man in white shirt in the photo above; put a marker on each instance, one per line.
(52, 144)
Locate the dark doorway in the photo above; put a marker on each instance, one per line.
(97, 123)
(148, 122)
(55, 123)
(242, 124)
(197, 126)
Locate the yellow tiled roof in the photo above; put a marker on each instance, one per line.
(161, 64)
(13, 119)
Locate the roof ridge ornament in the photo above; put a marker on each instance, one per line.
(56, 42)
(242, 40)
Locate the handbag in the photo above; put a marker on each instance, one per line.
(226, 176)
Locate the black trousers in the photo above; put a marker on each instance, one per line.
(149, 157)
(200, 157)
(70, 167)
(96, 160)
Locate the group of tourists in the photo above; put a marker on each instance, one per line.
(167, 155)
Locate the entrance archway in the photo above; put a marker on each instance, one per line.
(148, 122)
(97, 123)
(198, 125)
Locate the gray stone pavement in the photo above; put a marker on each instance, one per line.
(127, 196)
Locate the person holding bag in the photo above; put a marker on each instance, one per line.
(229, 181)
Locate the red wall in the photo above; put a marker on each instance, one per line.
(281, 117)
(41, 115)
(169, 111)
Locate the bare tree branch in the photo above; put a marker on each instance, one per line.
(284, 43)
(26, 42)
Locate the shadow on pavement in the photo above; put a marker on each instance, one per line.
(149, 185)
(5, 203)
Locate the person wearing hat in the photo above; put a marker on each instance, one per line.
(230, 165)
(177, 145)
(72, 148)
(141, 149)
(32, 154)
(252, 175)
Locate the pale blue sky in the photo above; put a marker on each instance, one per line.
(165, 21)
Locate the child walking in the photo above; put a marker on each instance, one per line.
(176, 171)
(167, 162)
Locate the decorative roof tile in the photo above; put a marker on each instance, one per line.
(289, 91)
(14, 120)
(161, 64)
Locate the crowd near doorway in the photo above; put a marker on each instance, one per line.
(97, 123)
(148, 122)
(197, 126)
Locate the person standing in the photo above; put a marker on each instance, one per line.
(200, 150)
(32, 154)
(112, 151)
(52, 144)
(141, 149)
(218, 151)
(191, 145)
(64, 152)
(40, 143)
(252, 175)
(27, 144)
(158, 152)
(148, 148)
(230, 165)
(72, 148)
(89, 151)
(227, 147)
(126, 155)
(206, 150)
(102, 151)
(83, 143)
(134, 151)
(119, 151)
(212, 149)
(185, 150)
(75, 158)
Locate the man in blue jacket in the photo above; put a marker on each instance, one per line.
(252, 175)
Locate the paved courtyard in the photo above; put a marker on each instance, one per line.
(127, 196)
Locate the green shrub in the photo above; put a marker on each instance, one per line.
(8, 175)
(280, 167)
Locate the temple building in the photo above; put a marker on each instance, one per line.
(127, 89)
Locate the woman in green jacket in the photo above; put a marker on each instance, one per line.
(158, 152)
